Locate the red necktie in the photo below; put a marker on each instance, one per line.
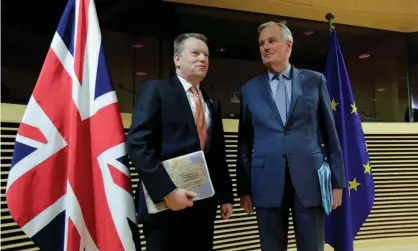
(200, 117)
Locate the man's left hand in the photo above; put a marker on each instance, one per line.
(226, 211)
(337, 195)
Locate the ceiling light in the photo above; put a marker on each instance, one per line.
(138, 45)
(141, 73)
(365, 55)
(308, 33)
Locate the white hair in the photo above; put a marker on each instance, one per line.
(287, 34)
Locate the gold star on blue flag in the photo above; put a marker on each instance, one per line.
(343, 224)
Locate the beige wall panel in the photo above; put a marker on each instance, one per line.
(392, 15)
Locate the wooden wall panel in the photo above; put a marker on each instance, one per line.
(393, 149)
(380, 14)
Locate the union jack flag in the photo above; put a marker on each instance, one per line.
(68, 187)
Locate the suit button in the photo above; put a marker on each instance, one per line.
(284, 155)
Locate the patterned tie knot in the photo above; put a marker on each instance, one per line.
(277, 76)
(193, 89)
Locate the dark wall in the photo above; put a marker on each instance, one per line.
(378, 82)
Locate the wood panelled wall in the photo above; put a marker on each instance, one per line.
(393, 150)
(380, 14)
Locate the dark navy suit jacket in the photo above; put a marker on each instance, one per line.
(265, 142)
(163, 127)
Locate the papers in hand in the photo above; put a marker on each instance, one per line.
(324, 176)
(189, 172)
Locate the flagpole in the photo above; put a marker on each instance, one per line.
(408, 85)
(330, 16)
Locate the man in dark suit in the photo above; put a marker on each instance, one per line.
(284, 114)
(173, 117)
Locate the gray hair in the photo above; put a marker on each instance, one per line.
(179, 41)
(287, 34)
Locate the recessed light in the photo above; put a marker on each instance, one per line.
(308, 33)
(138, 45)
(141, 73)
(365, 55)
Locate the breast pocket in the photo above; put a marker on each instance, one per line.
(310, 101)
(306, 106)
(177, 129)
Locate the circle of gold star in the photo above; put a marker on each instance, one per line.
(334, 105)
(367, 168)
(353, 108)
(354, 184)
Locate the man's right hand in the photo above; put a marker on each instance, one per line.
(179, 199)
(247, 204)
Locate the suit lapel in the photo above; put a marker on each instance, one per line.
(181, 99)
(268, 96)
(297, 79)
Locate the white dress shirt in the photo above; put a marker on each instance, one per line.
(186, 86)
(287, 81)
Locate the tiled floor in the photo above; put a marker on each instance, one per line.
(397, 248)
(395, 244)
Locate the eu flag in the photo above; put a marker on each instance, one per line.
(343, 224)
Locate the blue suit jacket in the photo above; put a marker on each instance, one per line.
(265, 142)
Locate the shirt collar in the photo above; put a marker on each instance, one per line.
(286, 72)
(186, 84)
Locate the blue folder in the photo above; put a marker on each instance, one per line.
(324, 176)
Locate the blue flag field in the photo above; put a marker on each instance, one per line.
(343, 224)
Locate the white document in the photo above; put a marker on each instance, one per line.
(189, 172)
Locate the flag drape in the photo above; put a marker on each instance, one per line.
(343, 224)
(69, 187)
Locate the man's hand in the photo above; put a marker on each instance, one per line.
(247, 204)
(226, 211)
(179, 199)
(337, 195)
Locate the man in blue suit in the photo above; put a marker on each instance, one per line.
(285, 114)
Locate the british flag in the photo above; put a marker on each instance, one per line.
(69, 187)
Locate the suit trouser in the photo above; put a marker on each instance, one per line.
(187, 230)
(309, 223)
